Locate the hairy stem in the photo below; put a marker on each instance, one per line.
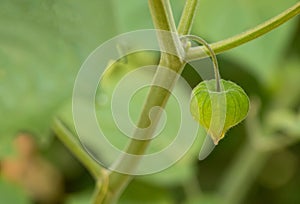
(232, 42)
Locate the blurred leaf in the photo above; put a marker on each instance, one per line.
(285, 164)
(137, 192)
(42, 45)
(216, 20)
(284, 120)
(206, 199)
(284, 86)
(132, 15)
(10, 193)
(140, 192)
(6, 147)
(84, 197)
(178, 173)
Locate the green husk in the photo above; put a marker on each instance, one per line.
(217, 111)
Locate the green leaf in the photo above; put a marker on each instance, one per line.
(205, 198)
(84, 197)
(284, 120)
(127, 11)
(137, 192)
(285, 78)
(142, 192)
(42, 46)
(10, 193)
(218, 111)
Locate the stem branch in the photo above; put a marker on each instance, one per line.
(232, 42)
(187, 17)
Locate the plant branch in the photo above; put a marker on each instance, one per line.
(157, 97)
(163, 20)
(101, 190)
(76, 148)
(187, 17)
(232, 42)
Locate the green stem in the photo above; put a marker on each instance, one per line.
(67, 138)
(232, 42)
(101, 189)
(157, 96)
(187, 17)
(212, 55)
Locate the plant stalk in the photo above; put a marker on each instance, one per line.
(187, 17)
(157, 97)
(213, 57)
(251, 34)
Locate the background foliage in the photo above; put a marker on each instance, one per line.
(44, 43)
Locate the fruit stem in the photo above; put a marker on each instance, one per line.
(212, 55)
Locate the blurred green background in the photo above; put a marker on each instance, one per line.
(42, 46)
